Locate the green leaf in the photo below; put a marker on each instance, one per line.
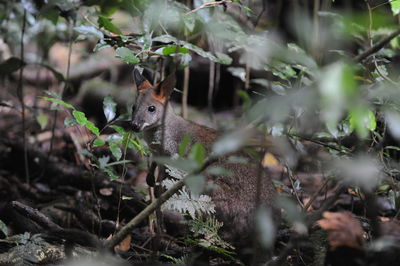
(43, 120)
(100, 46)
(50, 12)
(3, 228)
(231, 142)
(82, 120)
(109, 108)
(10, 65)
(57, 75)
(89, 31)
(223, 58)
(69, 122)
(108, 25)
(126, 55)
(185, 60)
(184, 145)
(218, 171)
(118, 129)
(196, 184)
(120, 162)
(103, 161)
(98, 142)
(182, 164)
(116, 151)
(189, 22)
(362, 120)
(198, 153)
(172, 49)
(58, 101)
(110, 173)
(265, 227)
(219, 58)
(395, 5)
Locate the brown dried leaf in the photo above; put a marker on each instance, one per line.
(344, 229)
(125, 244)
(269, 160)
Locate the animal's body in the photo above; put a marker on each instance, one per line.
(235, 196)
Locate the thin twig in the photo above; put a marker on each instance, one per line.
(264, 7)
(20, 93)
(291, 178)
(315, 195)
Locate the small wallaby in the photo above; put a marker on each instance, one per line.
(235, 196)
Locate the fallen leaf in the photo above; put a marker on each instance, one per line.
(269, 160)
(125, 244)
(344, 229)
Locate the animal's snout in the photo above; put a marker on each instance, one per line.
(135, 127)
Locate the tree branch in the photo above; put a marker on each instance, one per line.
(379, 45)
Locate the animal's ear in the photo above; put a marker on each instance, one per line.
(141, 82)
(165, 87)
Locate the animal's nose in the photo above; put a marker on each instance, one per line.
(135, 127)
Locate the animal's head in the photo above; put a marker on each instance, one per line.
(147, 112)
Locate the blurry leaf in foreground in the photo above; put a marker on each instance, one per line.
(291, 210)
(196, 184)
(393, 120)
(198, 153)
(265, 227)
(89, 31)
(116, 151)
(344, 229)
(395, 5)
(42, 119)
(108, 25)
(361, 120)
(179, 163)
(126, 55)
(231, 142)
(69, 122)
(10, 65)
(98, 142)
(337, 86)
(360, 171)
(109, 107)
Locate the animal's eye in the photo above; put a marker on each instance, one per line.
(151, 108)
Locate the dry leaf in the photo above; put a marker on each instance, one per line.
(269, 160)
(344, 229)
(125, 244)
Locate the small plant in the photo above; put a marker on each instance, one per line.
(117, 143)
